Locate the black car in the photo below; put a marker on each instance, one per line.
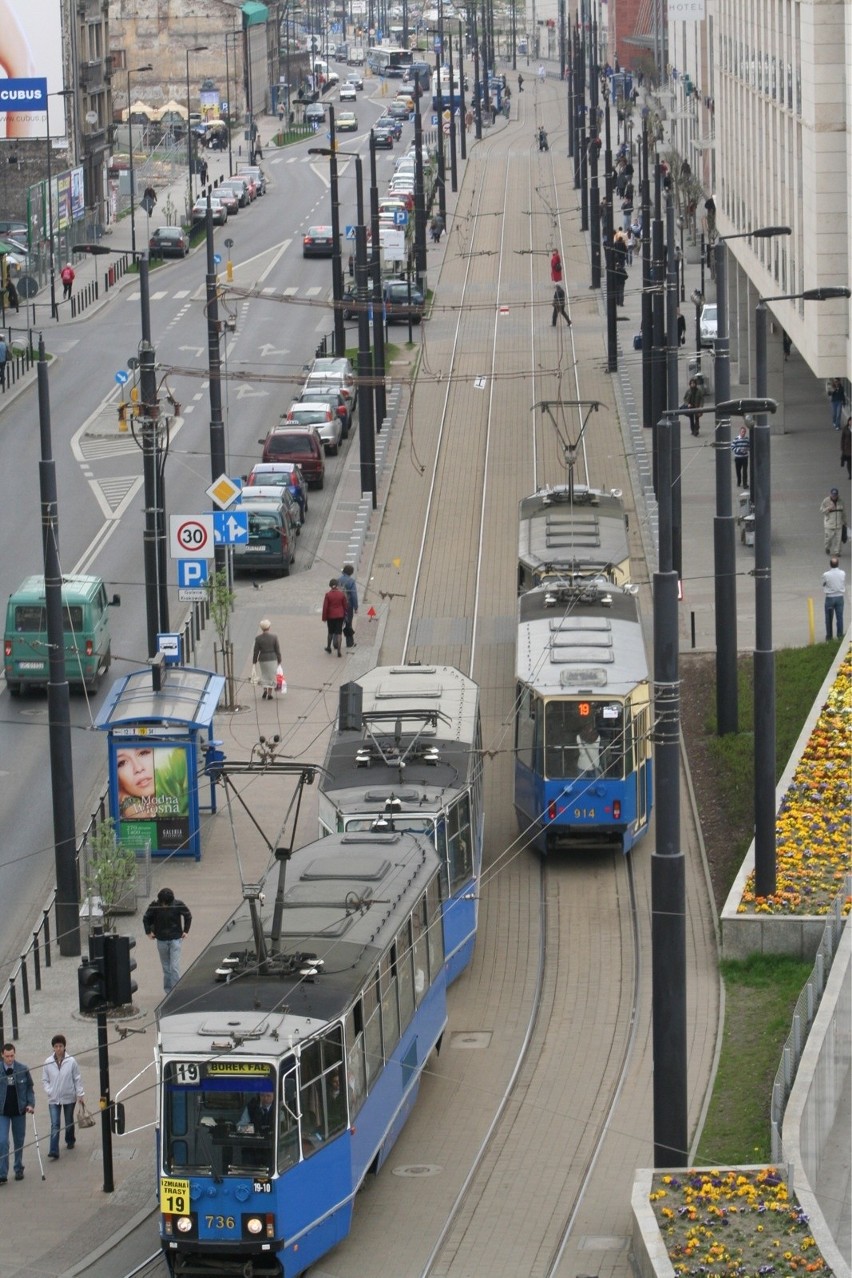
(397, 304)
(318, 241)
(383, 137)
(169, 241)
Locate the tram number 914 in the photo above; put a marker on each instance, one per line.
(585, 814)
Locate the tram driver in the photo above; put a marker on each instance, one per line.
(258, 1117)
(589, 749)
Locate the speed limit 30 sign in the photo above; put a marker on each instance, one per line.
(191, 536)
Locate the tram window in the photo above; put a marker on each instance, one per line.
(373, 1029)
(321, 1084)
(435, 934)
(204, 1128)
(390, 1007)
(355, 1068)
(524, 728)
(419, 930)
(460, 843)
(441, 849)
(568, 750)
(405, 973)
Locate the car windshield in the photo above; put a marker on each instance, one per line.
(263, 527)
(309, 413)
(292, 443)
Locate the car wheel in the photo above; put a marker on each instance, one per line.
(332, 450)
(285, 568)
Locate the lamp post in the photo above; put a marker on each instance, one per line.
(60, 93)
(132, 71)
(196, 48)
(724, 530)
(366, 434)
(232, 35)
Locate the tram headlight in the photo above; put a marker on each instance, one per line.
(254, 1225)
(183, 1224)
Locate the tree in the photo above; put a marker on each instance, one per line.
(110, 872)
(220, 600)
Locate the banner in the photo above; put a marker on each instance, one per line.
(151, 784)
(31, 54)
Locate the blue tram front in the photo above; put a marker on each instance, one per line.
(291, 1052)
(583, 763)
(407, 752)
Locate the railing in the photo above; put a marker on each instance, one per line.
(19, 361)
(804, 1013)
(37, 955)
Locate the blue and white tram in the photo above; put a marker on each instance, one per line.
(583, 759)
(407, 749)
(570, 531)
(290, 1054)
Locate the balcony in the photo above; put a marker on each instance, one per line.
(90, 76)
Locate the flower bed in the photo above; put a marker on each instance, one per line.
(739, 1222)
(812, 831)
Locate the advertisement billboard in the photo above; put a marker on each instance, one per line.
(31, 49)
(151, 785)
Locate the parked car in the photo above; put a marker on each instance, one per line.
(707, 324)
(271, 545)
(14, 227)
(229, 198)
(348, 92)
(275, 492)
(239, 188)
(338, 372)
(256, 173)
(383, 137)
(346, 122)
(318, 241)
(397, 304)
(218, 210)
(323, 418)
(169, 241)
(284, 474)
(302, 446)
(333, 398)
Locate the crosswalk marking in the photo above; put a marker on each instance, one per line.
(181, 293)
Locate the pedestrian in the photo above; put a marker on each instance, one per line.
(786, 343)
(436, 228)
(63, 1087)
(468, 120)
(4, 358)
(556, 267)
(542, 140)
(520, 83)
(541, 73)
(266, 655)
(681, 319)
(834, 590)
(837, 398)
(334, 614)
(631, 248)
(19, 1100)
(694, 399)
(559, 307)
(493, 111)
(347, 584)
(833, 521)
(741, 448)
(12, 295)
(67, 276)
(846, 447)
(202, 172)
(167, 921)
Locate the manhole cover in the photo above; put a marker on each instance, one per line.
(418, 1169)
(476, 1039)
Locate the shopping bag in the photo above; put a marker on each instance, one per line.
(84, 1118)
(280, 681)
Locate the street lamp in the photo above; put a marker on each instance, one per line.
(724, 530)
(60, 93)
(196, 48)
(366, 423)
(132, 71)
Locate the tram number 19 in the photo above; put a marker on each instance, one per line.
(175, 1204)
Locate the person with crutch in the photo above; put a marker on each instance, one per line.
(18, 1101)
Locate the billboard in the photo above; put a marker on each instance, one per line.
(151, 785)
(31, 48)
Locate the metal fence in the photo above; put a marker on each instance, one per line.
(27, 970)
(805, 1011)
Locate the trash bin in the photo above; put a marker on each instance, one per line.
(748, 530)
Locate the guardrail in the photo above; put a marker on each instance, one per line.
(38, 955)
(804, 1013)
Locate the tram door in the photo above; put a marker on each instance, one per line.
(641, 745)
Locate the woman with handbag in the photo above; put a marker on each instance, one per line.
(267, 658)
(63, 1087)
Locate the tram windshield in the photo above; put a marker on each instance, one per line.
(584, 738)
(403, 823)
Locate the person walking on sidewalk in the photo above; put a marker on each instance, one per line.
(346, 582)
(18, 1101)
(834, 590)
(4, 358)
(846, 447)
(556, 267)
(833, 521)
(694, 399)
(520, 83)
(559, 307)
(63, 1086)
(334, 614)
(167, 921)
(837, 398)
(12, 295)
(266, 655)
(741, 448)
(68, 277)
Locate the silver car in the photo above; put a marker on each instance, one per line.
(324, 421)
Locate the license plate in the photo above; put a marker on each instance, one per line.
(31, 665)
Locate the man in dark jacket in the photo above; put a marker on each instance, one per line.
(18, 1101)
(167, 920)
(346, 582)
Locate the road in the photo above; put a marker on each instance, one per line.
(99, 473)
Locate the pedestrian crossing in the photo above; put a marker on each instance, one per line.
(180, 295)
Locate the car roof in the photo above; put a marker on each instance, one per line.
(319, 230)
(169, 231)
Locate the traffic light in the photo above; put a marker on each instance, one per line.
(91, 986)
(118, 965)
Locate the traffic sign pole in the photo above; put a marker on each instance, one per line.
(218, 458)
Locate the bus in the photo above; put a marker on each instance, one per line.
(386, 60)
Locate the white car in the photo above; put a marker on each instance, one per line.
(707, 324)
(348, 93)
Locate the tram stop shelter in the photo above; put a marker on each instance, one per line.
(156, 738)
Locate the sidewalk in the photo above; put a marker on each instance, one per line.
(72, 1213)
